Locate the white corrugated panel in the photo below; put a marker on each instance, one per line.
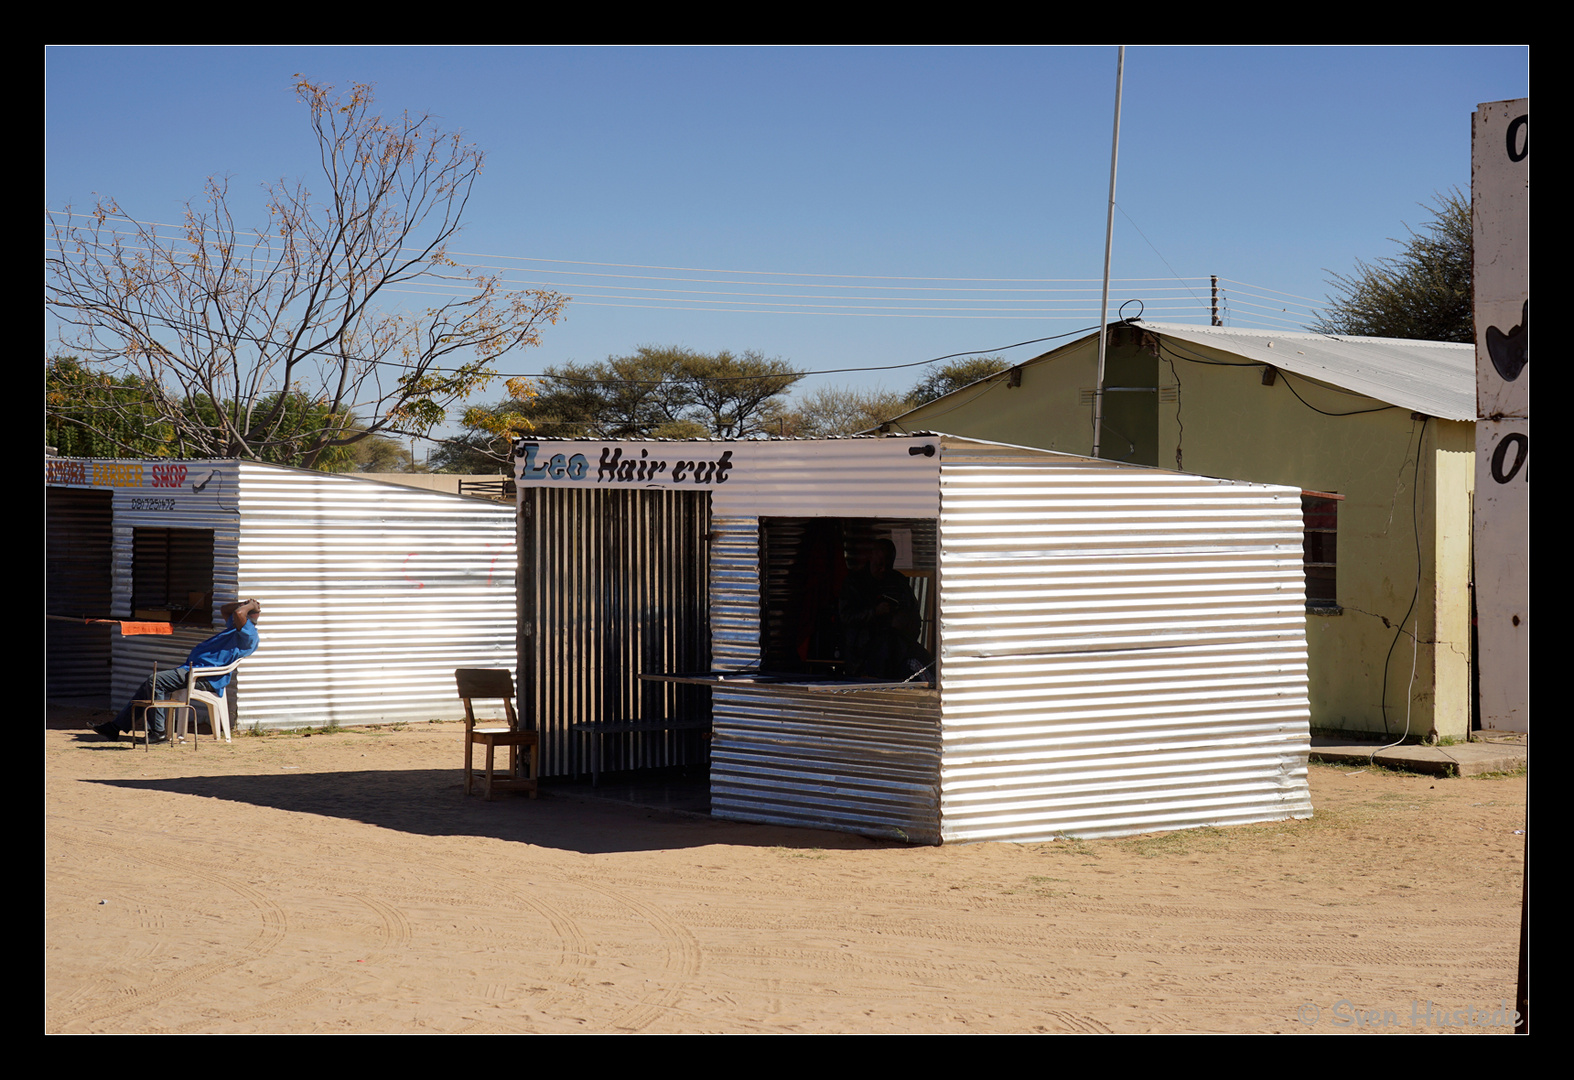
(1123, 649)
(837, 478)
(864, 762)
(373, 594)
(734, 592)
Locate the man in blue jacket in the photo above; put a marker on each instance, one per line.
(219, 650)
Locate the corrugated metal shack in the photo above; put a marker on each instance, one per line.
(1116, 649)
(373, 593)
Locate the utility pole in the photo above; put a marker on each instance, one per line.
(1109, 240)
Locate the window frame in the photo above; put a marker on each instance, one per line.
(776, 584)
(165, 564)
(1320, 550)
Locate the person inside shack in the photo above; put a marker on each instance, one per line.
(220, 650)
(880, 620)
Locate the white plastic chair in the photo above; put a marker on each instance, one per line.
(218, 713)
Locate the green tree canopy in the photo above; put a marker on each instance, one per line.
(1424, 292)
(669, 392)
(93, 414)
(655, 392)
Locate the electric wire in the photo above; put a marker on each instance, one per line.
(835, 294)
(1415, 526)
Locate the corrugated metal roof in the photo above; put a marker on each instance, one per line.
(1437, 378)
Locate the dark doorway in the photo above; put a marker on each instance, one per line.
(78, 575)
(613, 583)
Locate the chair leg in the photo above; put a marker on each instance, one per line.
(469, 757)
(489, 750)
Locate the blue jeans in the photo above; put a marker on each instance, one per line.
(165, 684)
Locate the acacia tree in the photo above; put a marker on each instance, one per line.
(940, 379)
(839, 410)
(734, 396)
(228, 327)
(670, 393)
(654, 392)
(1424, 292)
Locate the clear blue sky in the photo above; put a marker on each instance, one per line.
(1265, 166)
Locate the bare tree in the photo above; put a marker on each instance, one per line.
(226, 326)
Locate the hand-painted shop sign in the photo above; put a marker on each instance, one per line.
(120, 474)
(66, 472)
(537, 465)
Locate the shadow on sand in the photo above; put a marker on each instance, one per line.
(632, 812)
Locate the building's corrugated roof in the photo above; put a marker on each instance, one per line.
(1432, 377)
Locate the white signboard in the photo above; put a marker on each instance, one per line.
(1500, 202)
(1500, 211)
(886, 477)
(625, 465)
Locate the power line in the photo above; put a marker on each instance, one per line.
(847, 295)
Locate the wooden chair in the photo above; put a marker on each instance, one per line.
(480, 684)
(168, 706)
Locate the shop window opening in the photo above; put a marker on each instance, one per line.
(848, 597)
(172, 575)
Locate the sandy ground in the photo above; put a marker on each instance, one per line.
(343, 883)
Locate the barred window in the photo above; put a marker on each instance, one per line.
(1320, 547)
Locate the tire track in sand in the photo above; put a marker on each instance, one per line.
(272, 929)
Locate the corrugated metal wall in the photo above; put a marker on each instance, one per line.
(78, 543)
(1122, 649)
(864, 762)
(372, 595)
(202, 497)
(614, 584)
(735, 592)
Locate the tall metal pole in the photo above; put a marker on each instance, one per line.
(1109, 241)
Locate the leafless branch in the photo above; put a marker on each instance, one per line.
(237, 328)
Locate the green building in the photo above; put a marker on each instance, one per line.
(1378, 433)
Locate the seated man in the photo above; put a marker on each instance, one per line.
(219, 650)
